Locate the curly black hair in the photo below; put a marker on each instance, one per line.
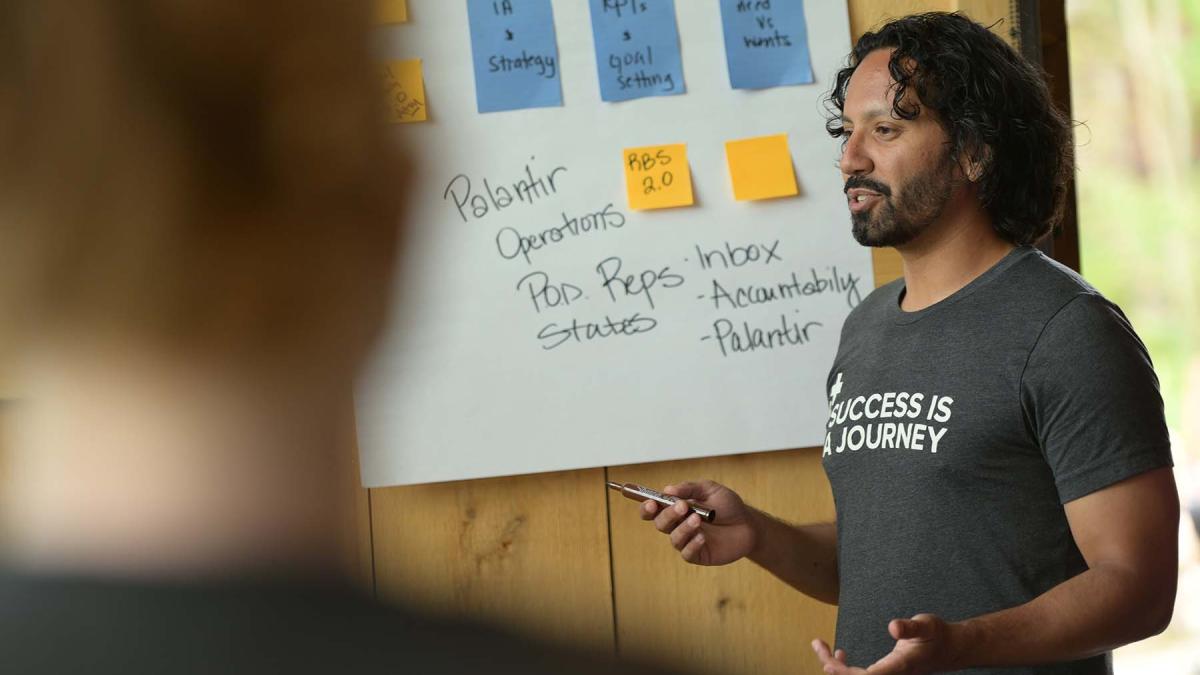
(994, 106)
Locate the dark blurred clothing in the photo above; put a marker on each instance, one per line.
(61, 625)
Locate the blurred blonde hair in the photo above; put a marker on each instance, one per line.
(201, 175)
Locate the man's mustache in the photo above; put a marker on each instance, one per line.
(868, 184)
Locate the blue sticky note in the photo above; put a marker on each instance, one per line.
(637, 48)
(515, 52)
(766, 43)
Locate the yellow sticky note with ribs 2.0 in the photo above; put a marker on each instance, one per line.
(658, 177)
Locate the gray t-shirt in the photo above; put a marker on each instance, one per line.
(957, 433)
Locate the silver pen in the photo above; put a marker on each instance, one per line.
(640, 493)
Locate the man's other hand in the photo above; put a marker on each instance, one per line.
(924, 644)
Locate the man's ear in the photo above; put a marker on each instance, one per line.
(973, 161)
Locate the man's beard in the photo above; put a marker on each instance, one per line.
(898, 222)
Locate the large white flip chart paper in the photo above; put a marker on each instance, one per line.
(541, 324)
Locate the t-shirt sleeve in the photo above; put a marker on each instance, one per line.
(1090, 397)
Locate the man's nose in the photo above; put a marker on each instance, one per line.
(854, 161)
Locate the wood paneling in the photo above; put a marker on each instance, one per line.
(1053, 24)
(888, 265)
(527, 552)
(993, 13)
(867, 15)
(358, 563)
(731, 619)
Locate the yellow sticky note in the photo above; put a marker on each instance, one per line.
(658, 177)
(761, 168)
(391, 11)
(405, 91)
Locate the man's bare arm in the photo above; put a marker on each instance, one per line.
(802, 556)
(1128, 534)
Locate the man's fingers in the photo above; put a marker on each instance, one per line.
(684, 532)
(649, 509)
(668, 518)
(691, 551)
(835, 663)
(687, 490)
(916, 628)
(892, 664)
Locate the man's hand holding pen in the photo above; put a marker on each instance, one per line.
(730, 537)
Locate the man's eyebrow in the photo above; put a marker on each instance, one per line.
(871, 114)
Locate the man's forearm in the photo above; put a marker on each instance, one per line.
(1094, 612)
(803, 556)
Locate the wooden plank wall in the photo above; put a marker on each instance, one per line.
(559, 557)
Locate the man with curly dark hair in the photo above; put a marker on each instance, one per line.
(996, 444)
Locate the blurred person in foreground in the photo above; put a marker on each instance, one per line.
(198, 223)
(995, 444)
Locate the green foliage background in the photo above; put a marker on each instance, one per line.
(1135, 79)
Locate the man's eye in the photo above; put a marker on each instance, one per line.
(885, 131)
